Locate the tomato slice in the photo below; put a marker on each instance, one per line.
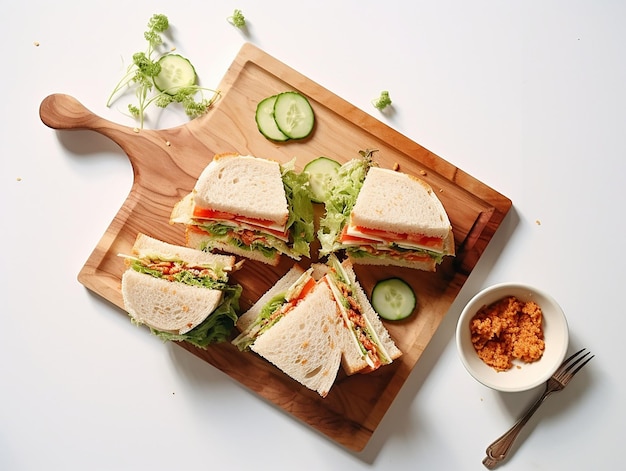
(349, 238)
(207, 213)
(381, 234)
(426, 241)
(306, 289)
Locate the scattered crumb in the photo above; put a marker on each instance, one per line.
(440, 190)
(36, 43)
(19, 179)
(423, 173)
(508, 329)
(136, 130)
(538, 222)
(168, 143)
(396, 166)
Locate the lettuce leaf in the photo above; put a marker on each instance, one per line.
(343, 194)
(300, 222)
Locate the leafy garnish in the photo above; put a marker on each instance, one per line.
(145, 67)
(343, 194)
(237, 19)
(383, 101)
(300, 221)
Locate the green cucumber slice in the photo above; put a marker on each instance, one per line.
(176, 73)
(321, 172)
(294, 115)
(393, 299)
(265, 122)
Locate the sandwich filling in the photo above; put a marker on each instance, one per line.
(242, 236)
(361, 241)
(180, 271)
(276, 308)
(362, 332)
(253, 224)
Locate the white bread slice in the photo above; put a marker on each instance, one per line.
(203, 241)
(243, 185)
(146, 246)
(399, 202)
(303, 344)
(352, 361)
(182, 212)
(281, 285)
(167, 306)
(427, 265)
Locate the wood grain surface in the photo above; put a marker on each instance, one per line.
(166, 164)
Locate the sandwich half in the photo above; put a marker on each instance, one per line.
(395, 219)
(364, 341)
(181, 294)
(295, 326)
(248, 206)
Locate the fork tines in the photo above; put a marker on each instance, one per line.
(578, 360)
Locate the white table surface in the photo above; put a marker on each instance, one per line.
(527, 96)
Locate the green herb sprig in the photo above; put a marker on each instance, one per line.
(237, 19)
(383, 101)
(145, 67)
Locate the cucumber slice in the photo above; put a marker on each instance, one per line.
(293, 115)
(176, 73)
(321, 173)
(393, 299)
(265, 122)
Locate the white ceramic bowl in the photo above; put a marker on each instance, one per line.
(522, 376)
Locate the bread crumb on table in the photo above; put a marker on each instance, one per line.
(508, 329)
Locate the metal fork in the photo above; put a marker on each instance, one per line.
(498, 450)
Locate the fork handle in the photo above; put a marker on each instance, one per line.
(498, 450)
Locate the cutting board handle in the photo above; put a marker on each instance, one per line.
(59, 111)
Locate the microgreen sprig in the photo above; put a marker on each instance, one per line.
(383, 101)
(143, 70)
(237, 19)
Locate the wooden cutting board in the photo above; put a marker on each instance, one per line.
(166, 164)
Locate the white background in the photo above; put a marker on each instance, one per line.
(527, 96)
